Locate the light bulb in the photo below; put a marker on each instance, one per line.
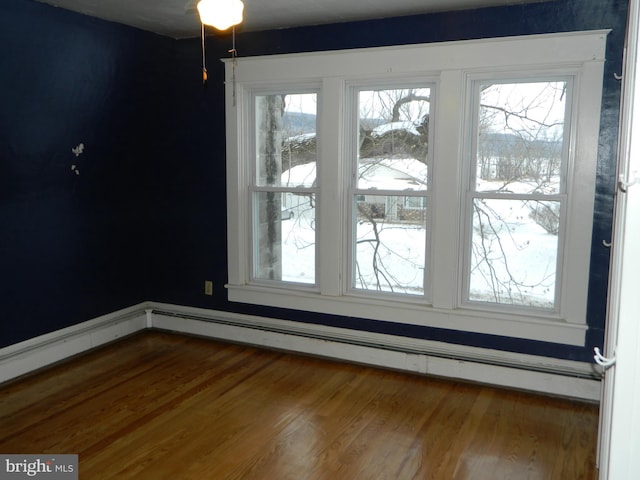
(220, 14)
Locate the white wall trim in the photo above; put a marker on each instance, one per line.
(39, 352)
(505, 369)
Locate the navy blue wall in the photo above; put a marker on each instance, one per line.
(146, 218)
(72, 246)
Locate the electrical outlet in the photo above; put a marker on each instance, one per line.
(208, 287)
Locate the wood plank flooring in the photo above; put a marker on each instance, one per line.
(162, 406)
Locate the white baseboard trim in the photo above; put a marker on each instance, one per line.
(39, 352)
(505, 369)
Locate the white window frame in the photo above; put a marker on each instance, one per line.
(351, 162)
(254, 188)
(452, 65)
(568, 206)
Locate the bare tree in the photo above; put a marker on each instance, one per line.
(519, 153)
(518, 149)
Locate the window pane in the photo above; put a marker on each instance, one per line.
(285, 138)
(285, 237)
(393, 130)
(514, 252)
(389, 252)
(520, 135)
(392, 174)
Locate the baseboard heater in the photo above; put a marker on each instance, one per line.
(397, 344)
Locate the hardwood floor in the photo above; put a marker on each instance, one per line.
(161, 406)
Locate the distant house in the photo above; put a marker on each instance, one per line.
(407, 174)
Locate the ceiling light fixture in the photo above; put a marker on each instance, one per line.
(220, 14)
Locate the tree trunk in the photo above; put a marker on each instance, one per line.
(269, 110)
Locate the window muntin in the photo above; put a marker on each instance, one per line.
(284, 187)
(517, 199)
(389, 196)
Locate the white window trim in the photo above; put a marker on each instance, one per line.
(351, 103)
(253, 186)
(452, 63)
(570, 207)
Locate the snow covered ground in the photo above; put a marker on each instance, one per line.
(513, 260)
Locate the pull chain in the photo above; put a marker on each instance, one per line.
(234, 56)
(205, 77)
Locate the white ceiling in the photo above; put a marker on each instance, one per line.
(178, 18)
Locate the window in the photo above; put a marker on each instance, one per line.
(516, 205)
(389, 187)
(284, 187)
(448, 185)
